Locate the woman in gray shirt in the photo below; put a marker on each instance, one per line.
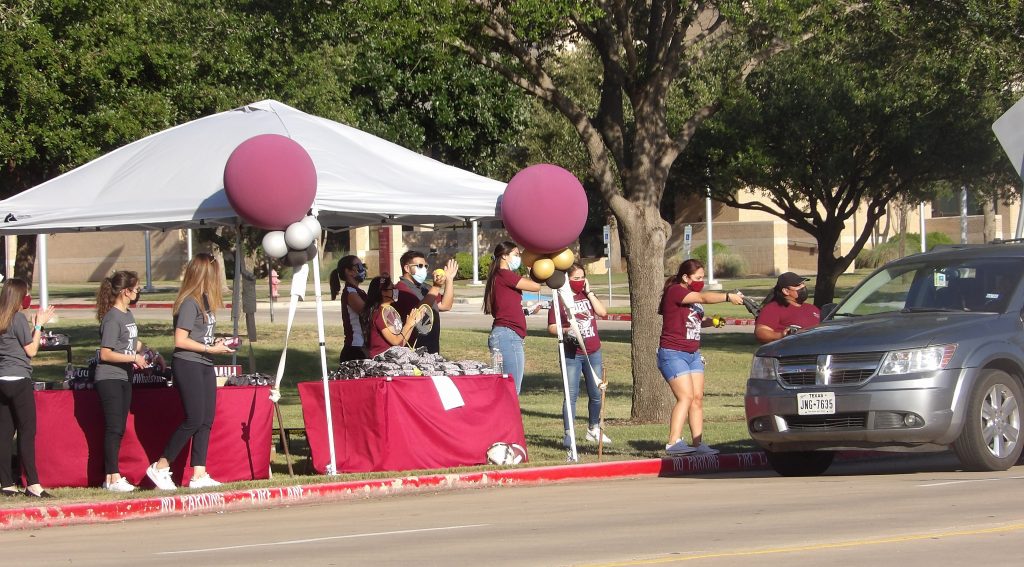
(118, 355)
(19, 342)
(195, 318)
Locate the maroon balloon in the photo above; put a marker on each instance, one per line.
(544, 208)
(270, 181)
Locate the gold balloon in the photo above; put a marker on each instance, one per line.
(530, 257)
(563, 260)
(542, 269)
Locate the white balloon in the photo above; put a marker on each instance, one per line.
(298, 236)
(312, 224)
(274, 244)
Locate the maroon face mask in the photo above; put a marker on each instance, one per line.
(26, 301)
(695, 286)
(577, 285)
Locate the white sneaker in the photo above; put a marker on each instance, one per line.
(703, 449)
(205, 481)
(679, 448)
(594, 433)
(121, 485)
(161, 477)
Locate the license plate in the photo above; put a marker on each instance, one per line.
(816, 403)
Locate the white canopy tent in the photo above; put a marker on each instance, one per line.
(175, 179)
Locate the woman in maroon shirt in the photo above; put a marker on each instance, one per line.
(679, 356)
(503, 299)
(379, 335)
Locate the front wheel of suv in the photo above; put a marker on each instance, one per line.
(991, 439)
(800, 463)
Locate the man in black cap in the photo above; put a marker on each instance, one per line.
(786, 311)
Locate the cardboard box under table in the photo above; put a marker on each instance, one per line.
(393, 424)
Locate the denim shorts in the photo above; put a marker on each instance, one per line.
(674, 363)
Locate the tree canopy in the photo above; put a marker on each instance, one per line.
(887, 106)
(79, 78)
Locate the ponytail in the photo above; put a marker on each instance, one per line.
(106, 295)
(500, 250)
(335, 282)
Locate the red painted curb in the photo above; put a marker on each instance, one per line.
(205, 502)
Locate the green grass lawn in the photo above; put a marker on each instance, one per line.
(728, 359)
(728, 356)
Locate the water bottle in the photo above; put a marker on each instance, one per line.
(497, 362)
(69, 372)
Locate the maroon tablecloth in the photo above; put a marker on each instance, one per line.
(69, 436)
(395, 424)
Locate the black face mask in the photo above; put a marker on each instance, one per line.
(801, 295)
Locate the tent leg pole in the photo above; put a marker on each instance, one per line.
(44, 285)
(236, 288)
(332, 469)
(555, 304)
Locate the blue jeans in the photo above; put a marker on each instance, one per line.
(513, 357)
(574, 365)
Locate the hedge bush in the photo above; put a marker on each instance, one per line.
(727, 264)
(889, 250)
(465, 260)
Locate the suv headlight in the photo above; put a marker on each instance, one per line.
(916, 360)
(764, 368)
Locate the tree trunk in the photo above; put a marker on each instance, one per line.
(989, 212)
(614, 246)
(25, 263)
(829, 266)
(645, 235)
(903, 229)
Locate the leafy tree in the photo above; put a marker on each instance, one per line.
(878, 112)
(79, 78)
(652, 57)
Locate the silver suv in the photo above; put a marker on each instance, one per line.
(926, 353)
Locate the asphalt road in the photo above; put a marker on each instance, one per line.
(906, 511)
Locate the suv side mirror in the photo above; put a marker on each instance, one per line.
(827, 310)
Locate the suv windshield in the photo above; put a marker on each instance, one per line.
(983, 285)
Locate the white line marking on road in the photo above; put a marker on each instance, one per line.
(970, 480)
(298, 541)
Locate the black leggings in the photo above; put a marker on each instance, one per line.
(116, 399)
(197, 386)
(18, 411)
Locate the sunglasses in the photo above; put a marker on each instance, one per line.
(418, 265)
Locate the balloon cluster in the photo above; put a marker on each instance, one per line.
(544, 209)
(295, 245)
(549, 268)
(270, 181)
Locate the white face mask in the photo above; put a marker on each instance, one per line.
(514, 262)
(419, 274)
